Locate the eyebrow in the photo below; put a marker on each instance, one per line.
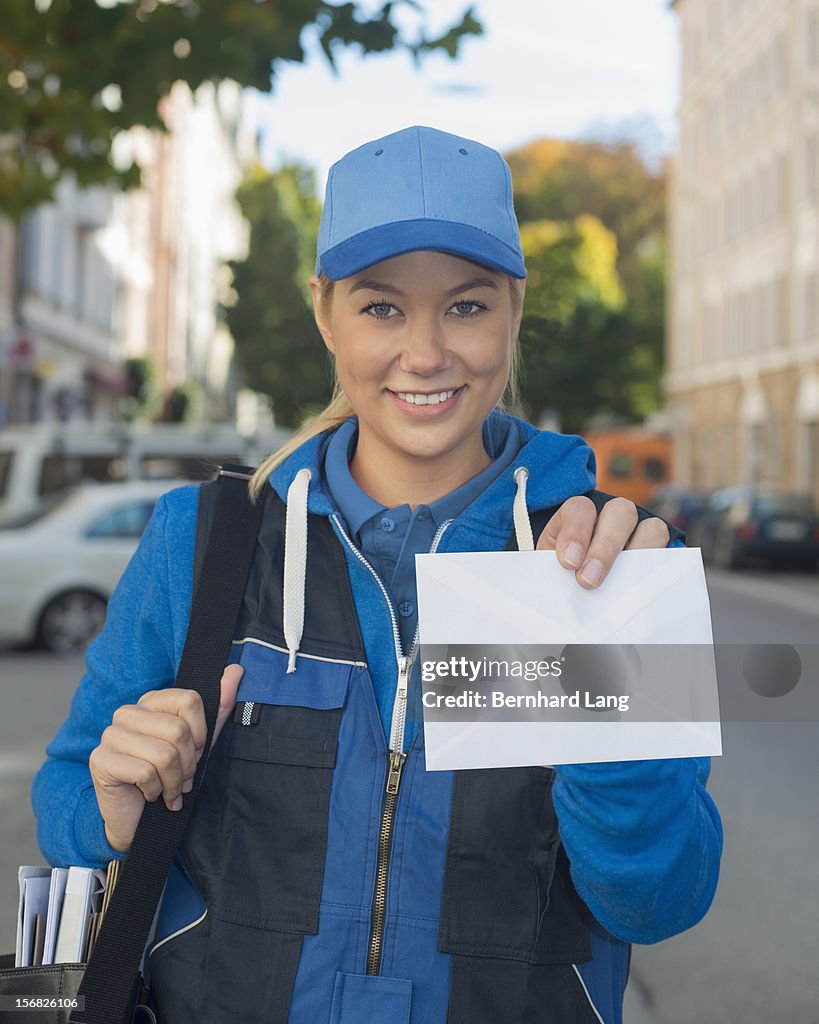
(367, 284)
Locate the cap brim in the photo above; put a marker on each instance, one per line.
(388, 240)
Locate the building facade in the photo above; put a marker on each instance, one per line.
(743, 355)
(102, 276)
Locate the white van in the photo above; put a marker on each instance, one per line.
(39, 460)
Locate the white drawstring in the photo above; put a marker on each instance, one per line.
(523, 525)
(295, 564)
(295, 552)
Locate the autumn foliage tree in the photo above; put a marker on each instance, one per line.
(593, 227)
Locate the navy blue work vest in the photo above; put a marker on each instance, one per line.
(256, 846)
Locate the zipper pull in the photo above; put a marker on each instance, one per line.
(403, 678)
(394, 777)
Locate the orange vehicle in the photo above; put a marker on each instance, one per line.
(631, 461)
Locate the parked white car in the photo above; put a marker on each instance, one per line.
(59, 566)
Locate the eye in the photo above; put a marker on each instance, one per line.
(380, 310)
(466, 308)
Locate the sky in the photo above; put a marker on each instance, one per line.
(542, 68)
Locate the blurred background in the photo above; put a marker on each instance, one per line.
(161, 174)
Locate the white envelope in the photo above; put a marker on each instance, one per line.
(34, 882)
(650, 597)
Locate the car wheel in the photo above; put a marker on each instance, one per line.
(71, 620)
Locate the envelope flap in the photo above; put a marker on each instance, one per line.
(507, 597)
(479, 597)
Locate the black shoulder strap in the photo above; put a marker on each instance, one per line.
(541, 517)
(111, 979)
(208, 495)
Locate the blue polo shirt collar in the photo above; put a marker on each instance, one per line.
(358, 508)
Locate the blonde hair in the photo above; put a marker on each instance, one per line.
(339, 408)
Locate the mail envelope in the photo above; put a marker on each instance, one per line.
(654, 598)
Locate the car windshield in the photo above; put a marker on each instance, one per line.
(785, 505)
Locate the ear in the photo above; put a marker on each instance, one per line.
(319, 313)
(519, 315)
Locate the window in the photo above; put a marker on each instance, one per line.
(712, 338)
(811, 167)
(786, 505)
(620, 465)
(655, 469)
(781, 185)
(124, 521)
(6, 461)
(780, 63)
(811, 464)
(60, 470)
(779, 310)
(82, 275)
(32, 246)
(812, 38)
(810, 312)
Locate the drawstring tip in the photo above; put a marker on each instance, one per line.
(291, 661)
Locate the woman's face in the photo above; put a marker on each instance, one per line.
(422, 344)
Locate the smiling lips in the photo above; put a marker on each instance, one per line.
(419, 398)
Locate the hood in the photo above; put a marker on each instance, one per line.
(559, 465)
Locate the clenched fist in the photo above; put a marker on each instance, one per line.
(151, 749)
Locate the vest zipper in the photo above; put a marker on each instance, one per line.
(395, 762)
(395, 757)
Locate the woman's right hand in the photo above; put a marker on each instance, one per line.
(151, 749)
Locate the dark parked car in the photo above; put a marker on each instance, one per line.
(742, 524)
(681, 506)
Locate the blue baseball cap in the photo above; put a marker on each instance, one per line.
(419, 188)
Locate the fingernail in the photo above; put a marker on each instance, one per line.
(592, 571)
(187, 785)
(177, 804)
(573, 555)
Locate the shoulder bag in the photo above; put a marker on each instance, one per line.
(110, 984)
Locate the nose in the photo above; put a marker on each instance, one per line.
(424, 348)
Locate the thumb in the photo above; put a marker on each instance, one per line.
(231, 677)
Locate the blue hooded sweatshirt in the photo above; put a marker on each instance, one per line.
(644, 838)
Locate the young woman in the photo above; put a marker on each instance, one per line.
(326, 876)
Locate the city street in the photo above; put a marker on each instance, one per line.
(750, 960)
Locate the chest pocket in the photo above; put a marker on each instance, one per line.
(258, 838)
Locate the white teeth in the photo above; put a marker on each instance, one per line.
(416, 399)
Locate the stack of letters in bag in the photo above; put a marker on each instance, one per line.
(60, 912)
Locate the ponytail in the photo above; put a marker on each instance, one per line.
(331, 416)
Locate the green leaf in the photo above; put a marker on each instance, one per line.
(74, 75)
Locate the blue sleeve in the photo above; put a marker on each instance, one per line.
(136, 651)
(644, 840)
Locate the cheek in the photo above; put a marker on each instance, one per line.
(493, 357)
(358, 361)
